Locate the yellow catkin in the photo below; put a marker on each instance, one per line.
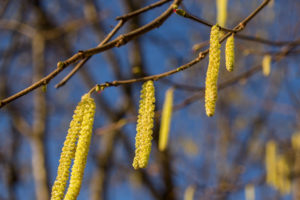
(266, 65)
(189, 193)
(82, 148)
(144, 126)
(166, 120)
(221, 12)
(270, 162)
(68, 152)
(296, 141)
(249, 192)
(229, 53)
(283, 171)
(211, 91)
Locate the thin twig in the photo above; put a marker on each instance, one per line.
(187, 15)
(121, 40)
(200, 45)
(17, 26)
(122, 122)
(152, 77)
(265, 41)
(43, 81)
(82, 62)
(201, 56)
(139, 11)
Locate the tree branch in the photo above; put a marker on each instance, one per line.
(139, 11)
(121, 40)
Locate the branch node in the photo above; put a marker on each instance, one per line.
(121, 41)
(60, 65)
(201, 55)
(241, 26)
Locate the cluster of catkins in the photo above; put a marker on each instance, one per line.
(277, 169)
(211, 88)
(76, 146)
(146, 110)
(78, 139)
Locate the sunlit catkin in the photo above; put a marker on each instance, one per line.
(165, 120)
(266, 65)
(295, 140)
(283, 171)
(221, 12)
(68, 152)
(211, 91)
(82, 148)
(144, 126)
(229, 53)
(249, 192)
(189, 192)
(270, 162)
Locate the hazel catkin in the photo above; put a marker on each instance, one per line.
(221, 12)
(67, 154)
(270, 162)
(80, 127)
(212, 71)
(266, 65)
(165, 120)
(144, 126)
(229, 53)
(82, 148)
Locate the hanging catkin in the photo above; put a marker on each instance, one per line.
(295, 140)
(80, 126)
(221, 12)
(144, 126)
(270, 161)
(166, 120)
(229, 53)
(82, 148)
(266, 65)
(283, 171)
(67, 154)
(250, 192)
(212, 73)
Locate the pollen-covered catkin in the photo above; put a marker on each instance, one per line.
(250, 192)
(212, 73)
(270, 161)
(283, 171)
(82, 148)
(166, 120)
(229, 53)
(266, 65)
(295, 140)
(68, 152)
(221, 12)
(144, 126)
